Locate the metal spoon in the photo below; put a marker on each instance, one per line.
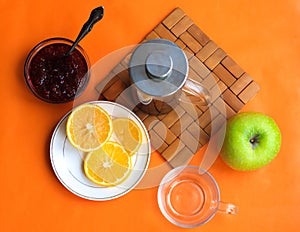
(96, 15)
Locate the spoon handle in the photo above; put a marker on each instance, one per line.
(96, 15)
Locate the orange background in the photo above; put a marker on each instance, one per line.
(262, 36)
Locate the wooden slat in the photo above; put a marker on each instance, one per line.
(247, 93)
(199, 67)
(224, 75)
(182, 158)
(157, 142)
(163, 32)
(172, 150)
(207, 51)
(191, 42)
(241, 83)
(182, 26)
(181, 124)
(164, 132)
(198, 34)
(215, 58)
(173, 18)
(232, 67)
(232, 100)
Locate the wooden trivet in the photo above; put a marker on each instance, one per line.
(179, 134)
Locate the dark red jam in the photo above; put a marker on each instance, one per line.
(56, 77)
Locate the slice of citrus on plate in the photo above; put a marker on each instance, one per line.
(88, 127)
(109, 165)
(128, 134)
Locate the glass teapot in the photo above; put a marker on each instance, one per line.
(159, 70)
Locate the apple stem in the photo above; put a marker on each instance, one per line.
(254, 140)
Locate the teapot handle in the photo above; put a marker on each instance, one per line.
(195, 93)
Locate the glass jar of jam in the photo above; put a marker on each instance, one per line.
(52, 75)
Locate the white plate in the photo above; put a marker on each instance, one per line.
(67, 161)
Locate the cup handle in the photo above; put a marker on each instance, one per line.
(196, 93)
(227, 208)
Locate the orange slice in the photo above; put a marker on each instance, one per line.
(128, 134)
(88, 127)
(109, 165)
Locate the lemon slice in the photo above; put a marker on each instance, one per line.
(128, 134)
(109, 165)
(88, 127)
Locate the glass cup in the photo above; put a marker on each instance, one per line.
(189, 197)
(53, 76)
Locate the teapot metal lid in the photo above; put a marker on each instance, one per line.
(158, 67)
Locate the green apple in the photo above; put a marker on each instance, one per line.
(252, 140)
